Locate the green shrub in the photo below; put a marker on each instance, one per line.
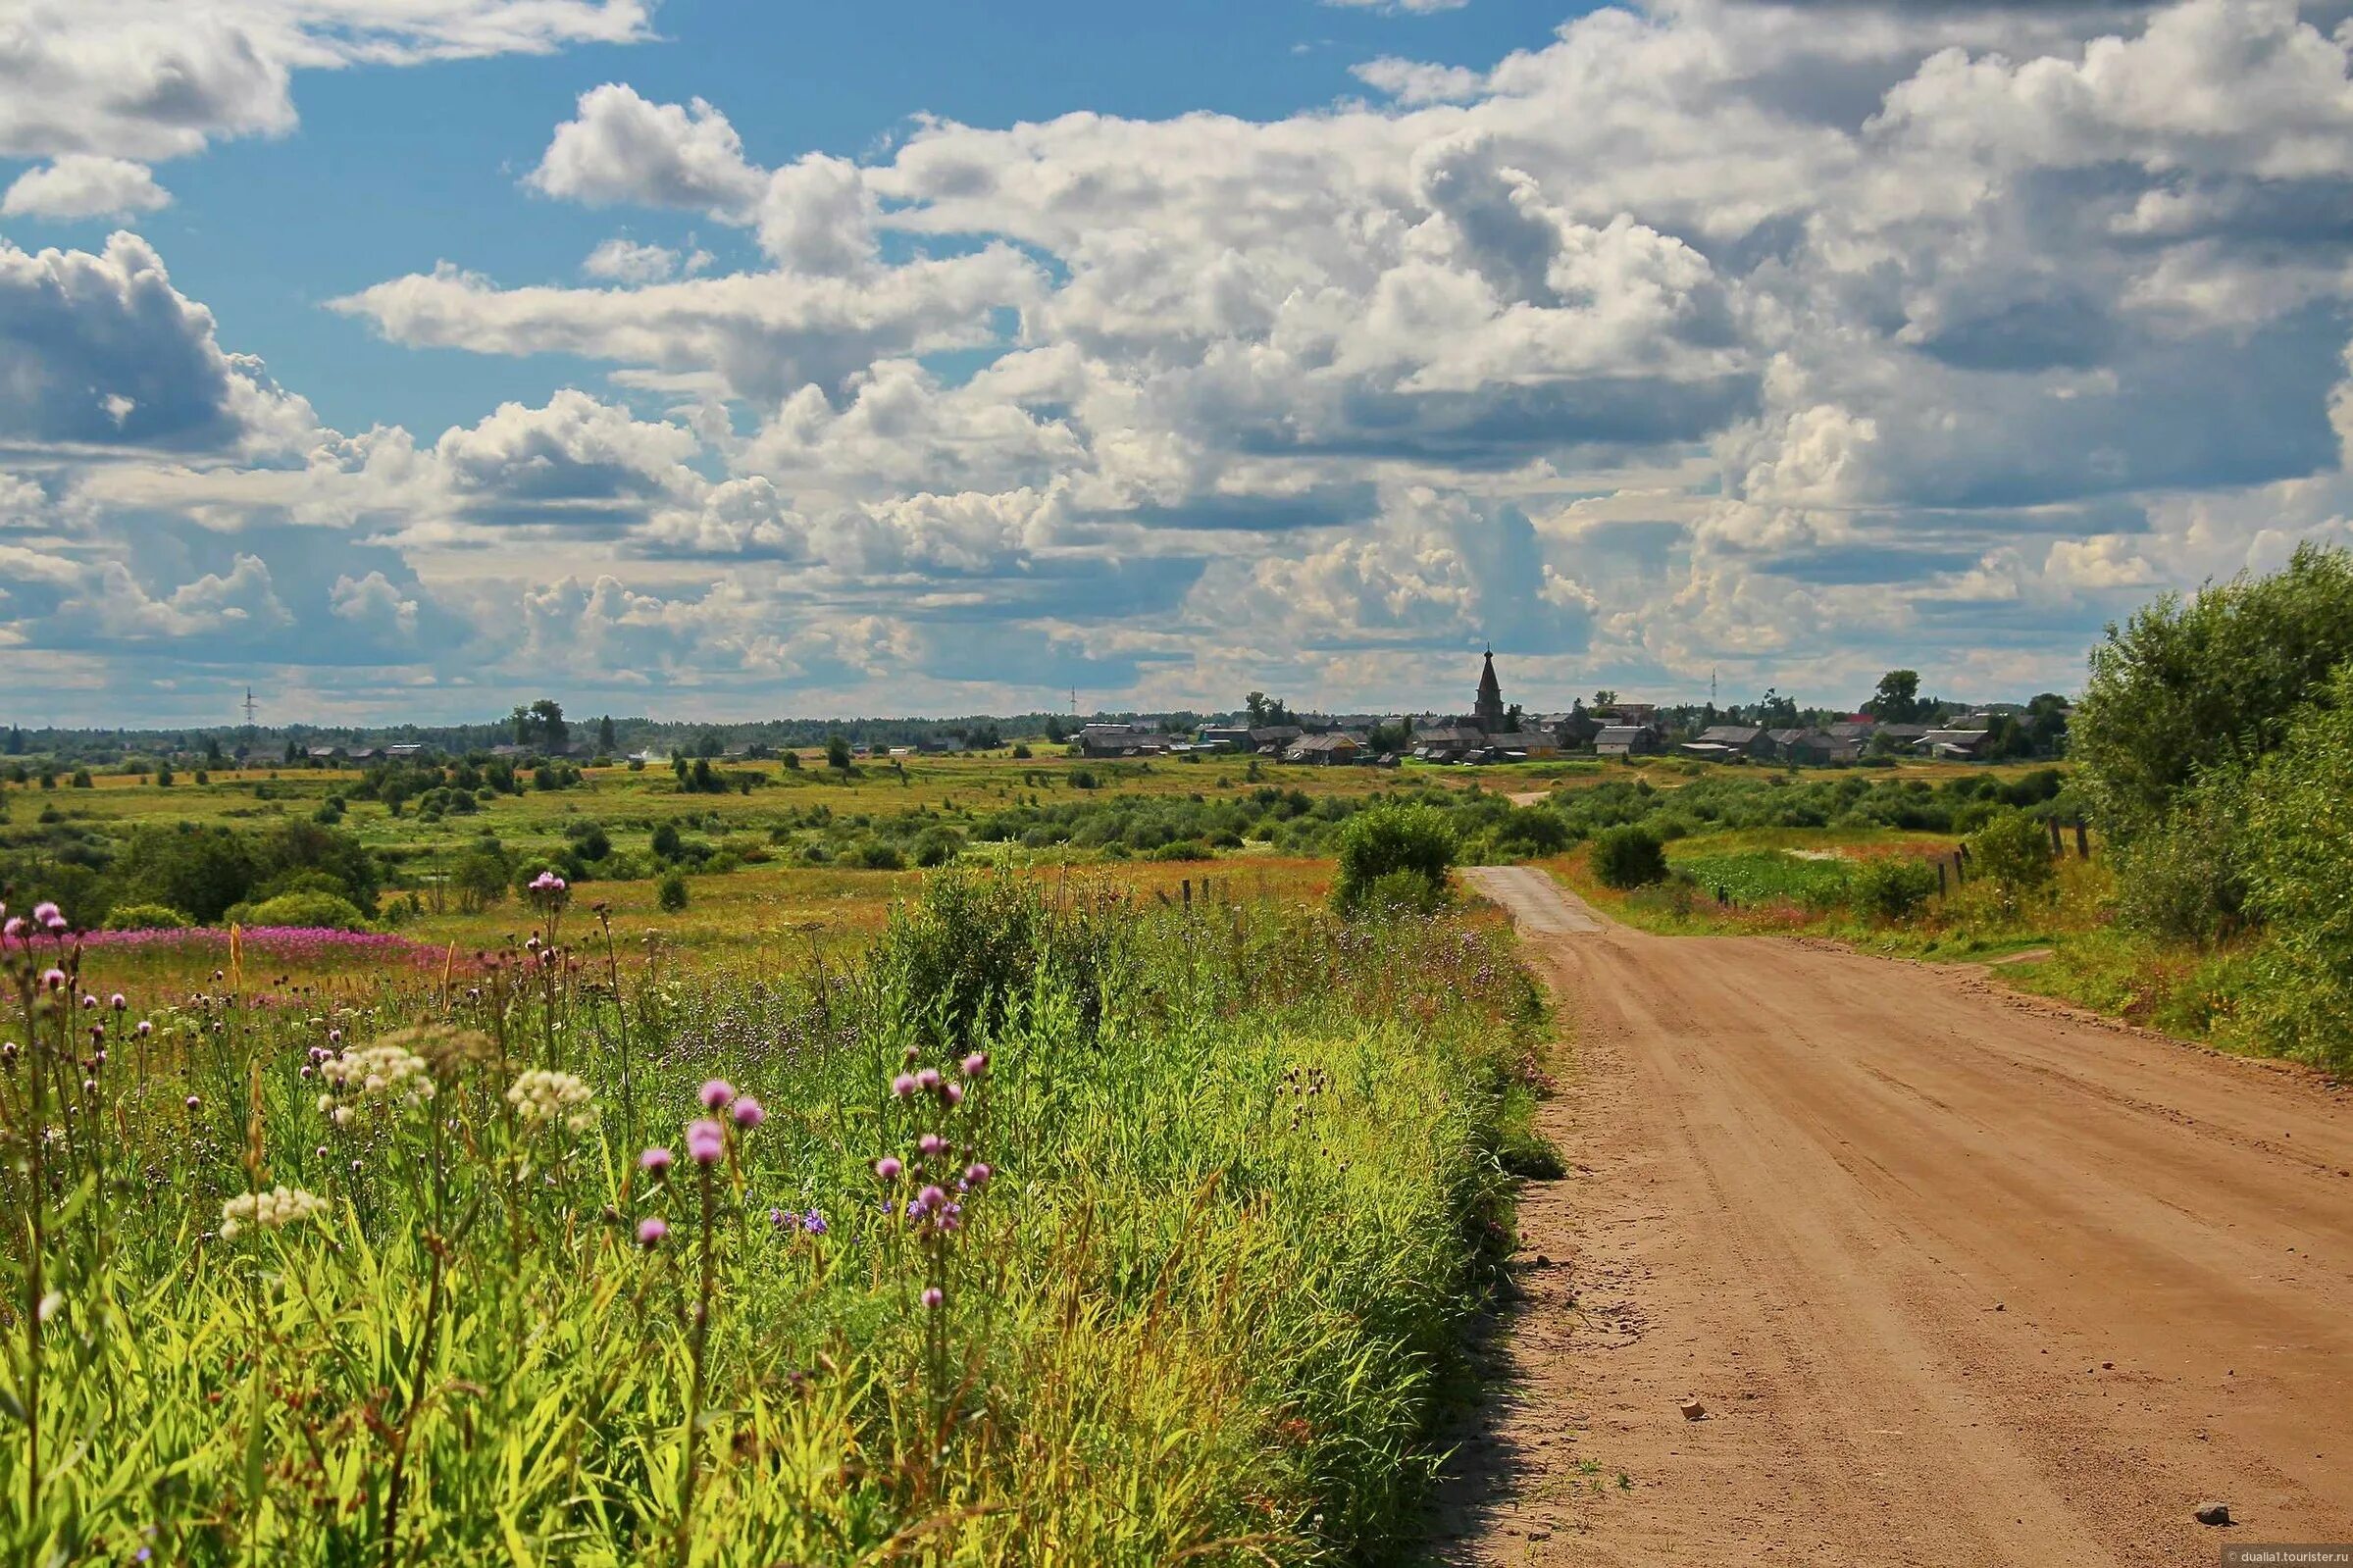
(325, 911)
(936, 845)
(1891, 886)
(1389, 841)
(2012, 852)
(146, 917)
(879, 854)
(671, 893)
(2298, 810)
(1629, 856)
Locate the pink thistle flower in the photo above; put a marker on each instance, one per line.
(652, 1232)
(748, 1113)
(927, 1080)
(46, 914)
(15, 927)
(715, 1094)
(932, 1196)
(888, 1168)
(977, 1174)
(953, 1094)
(932, 1145)
(933, 1296)
(117, 1002)
(705, 1142)
(656, 1162)
(977, 1065)
(54, 978)
(904, 1085)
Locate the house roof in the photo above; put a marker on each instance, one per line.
(1730, 734)
(1337, 742)
(1782, 738)
(1619, 734)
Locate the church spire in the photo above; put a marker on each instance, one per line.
(1489, 712)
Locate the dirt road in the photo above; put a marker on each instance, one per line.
(1958, 1278)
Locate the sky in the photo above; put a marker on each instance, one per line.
(727, 359)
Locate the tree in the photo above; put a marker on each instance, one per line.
(837, 752)
(606, 744)
(2183, 702)
(1394, 854)
(1629, 856)
(1897, 700)
(1265, 710)
(1773, 709)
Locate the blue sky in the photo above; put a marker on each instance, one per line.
(723, 359)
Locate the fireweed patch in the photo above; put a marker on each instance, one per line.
(1148, 1236)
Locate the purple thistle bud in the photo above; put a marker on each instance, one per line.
(88, 1002)
(705, 1142)
(927, 1080)
(715, 1094)
(53, 979)
(888, 1168)
(904, 1085)
(145, 1029)
(748, 1113)
(652, 1230)
(931, 1198)
(117, 1002)
(932, 1145)
(194, 1102)
(977, 1065)
(932, 1296)
(655, 1161)
(334, 1036)
(978, 1174)
(953, 1094)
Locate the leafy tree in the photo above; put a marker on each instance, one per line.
(1897, 700)
(2183, 701)
(203, 870)
(2299, 812)
(1604, 698)
(1776, 711)
(605, 742)
(671, 893)
(1629, 856)
(1891, 886)
(1413, 842)
(481, 876)
(2014, 852)
(837, 752)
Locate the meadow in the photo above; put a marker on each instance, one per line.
(1058, 1223)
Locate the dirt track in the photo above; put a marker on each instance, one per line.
(1959, 1277)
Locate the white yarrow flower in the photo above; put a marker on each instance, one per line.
(272, 1210)
(543, 1098)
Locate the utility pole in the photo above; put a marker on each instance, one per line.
(249, 707)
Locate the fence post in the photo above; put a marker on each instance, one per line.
(1940, 877)
(2057, 850)
(1186, 885)
(2083, 839)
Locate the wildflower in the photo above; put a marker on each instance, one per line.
(334, 1036)
(145, 1029)
(88, 1002)
(888, 1168)
(50, 1305)
(541, 1097)
(272, 1210)
(194, 1102)
(117, 1002)
(931, 1197)
(904, 1085)
(53, 979)
(385, 1072)
(933, 1295)
(547, 882)
(46, 914)
(977, 1174)
(705, 1142)
(977, 1065)
(927, 1080)
(932, 1145)
(748, 1113)
(656, 1162)
(15, 927)
(715, 1094)
(813, 1223)
(652, 1230)
(952, 1094)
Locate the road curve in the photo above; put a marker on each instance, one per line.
(1957, 1277)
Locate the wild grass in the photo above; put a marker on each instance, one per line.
(1205, 1194)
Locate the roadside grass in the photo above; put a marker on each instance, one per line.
(1247, 1187)
(2078, 953)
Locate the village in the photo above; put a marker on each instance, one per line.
(1771, 730)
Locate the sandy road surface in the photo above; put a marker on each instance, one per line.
(1959, 1277)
